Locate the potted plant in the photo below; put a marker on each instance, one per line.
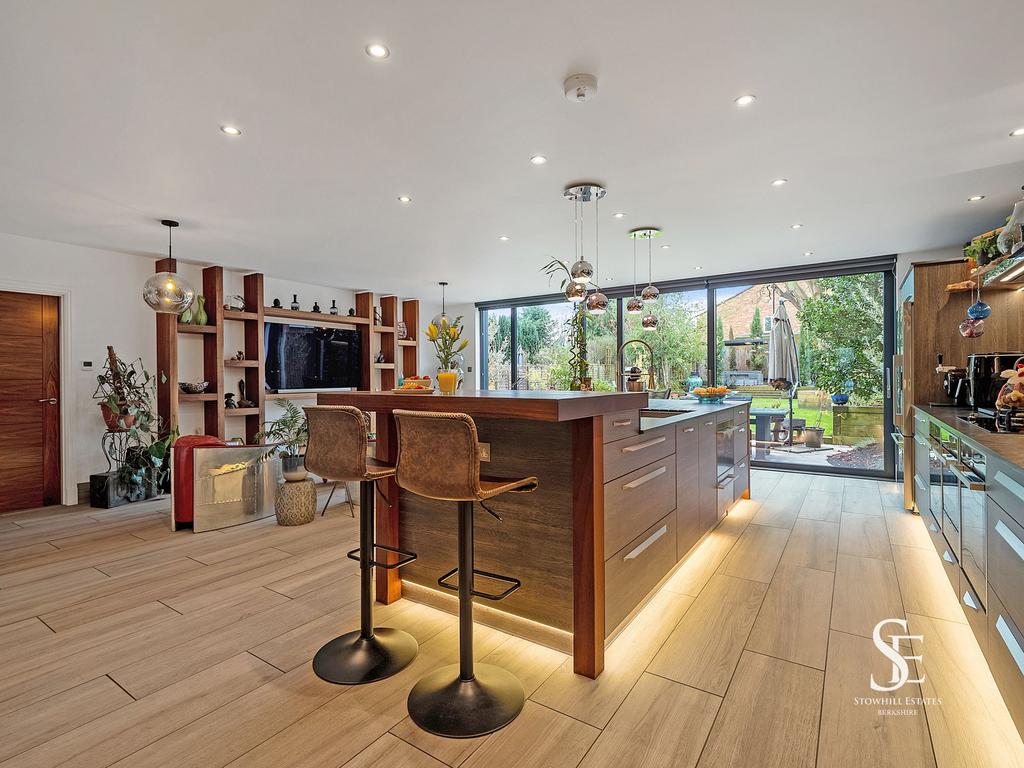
(125, 393)
(981, 250)
(813, 435)
(579, 368)
(290, 433)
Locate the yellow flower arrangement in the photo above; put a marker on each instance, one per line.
(446, 340)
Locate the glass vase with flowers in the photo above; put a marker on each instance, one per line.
(448, 344)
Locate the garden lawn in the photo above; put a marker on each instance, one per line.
(808, 414)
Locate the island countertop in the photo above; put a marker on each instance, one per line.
(532, 405)
(682, 410)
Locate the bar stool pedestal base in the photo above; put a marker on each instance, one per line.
(352, 659)
(444, 704)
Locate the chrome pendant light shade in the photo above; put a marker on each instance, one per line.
(650, 293)
(649, 322)
(597, 303)
(168, 292)
(582, 272)
(575, 292)
(634, 306)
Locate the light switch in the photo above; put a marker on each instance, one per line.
(485, 451)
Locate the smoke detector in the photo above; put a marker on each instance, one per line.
(580, 88)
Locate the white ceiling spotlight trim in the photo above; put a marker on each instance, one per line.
(796, 226)
(377, 51)
(746, 100)
(404, 199)
(1017, 132)
(975, 198)
(230, 130)
(779, 182)
(580, 88)
(538, 160)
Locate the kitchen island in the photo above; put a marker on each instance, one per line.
(626, 488)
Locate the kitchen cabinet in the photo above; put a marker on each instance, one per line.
(707, 473)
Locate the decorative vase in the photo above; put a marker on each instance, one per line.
(334, 307)
(293, 468)
(812, 436)
(447, 381)
(200, 317)
(185, 318)
(116, 422)
(295, 302)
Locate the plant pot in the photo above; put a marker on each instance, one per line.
(812, 436)
(293, 468)
(840, 398)
(295, 502)
(115, 420)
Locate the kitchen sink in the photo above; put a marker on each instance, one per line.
(660, 414)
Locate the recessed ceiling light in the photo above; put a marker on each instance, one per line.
(404, 199)
(975, 198)
(779, 182)
(608, 279)
(1018, 132)
(230, 130)
(808, 253)
(618, 215)
(503, 238)
(745, 100)
(698, 268)
(665, 247)
(377, 51)
(538, 159)
(796, 226)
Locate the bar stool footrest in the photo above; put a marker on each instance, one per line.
(514, 584)
(406, 557)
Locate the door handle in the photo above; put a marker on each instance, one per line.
(645, 479)
(1006, 634)
(1010, 484)
(50, 400)
(641, 446)
(625, 423)
(639, 550)
(689, 429)
(1010, 538)
(969, 601)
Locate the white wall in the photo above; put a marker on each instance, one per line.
(102, 304)
(904, 260)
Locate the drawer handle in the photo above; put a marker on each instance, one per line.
(689, 429)
(933, 527)
(948, 557)
(1011, 643)
(646, 543)
(1010, 484)
(1010, 538)
(625, 423)
(645, 479)
(969, 601)
(723, 481)
(920, 483)
(641, 446)
(960, 470)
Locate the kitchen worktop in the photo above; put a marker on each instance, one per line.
(688, 409)
(1008, 447)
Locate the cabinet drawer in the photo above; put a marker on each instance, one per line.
(631, 453)
(1005, 486)
(620, 425)
(1006, 658)
(725, 496)
(635, 501)
(974, 609)
(688, 529)
(686, 444)
(944, 551)
(741, 483)
(633, 571)
(1006, 560)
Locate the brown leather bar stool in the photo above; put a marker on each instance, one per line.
(337, 451)
(438, 458)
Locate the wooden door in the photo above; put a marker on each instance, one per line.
(29, 401)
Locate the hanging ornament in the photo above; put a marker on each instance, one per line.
(575, 292)
(649, 322)
(581, 271)
(972, 329)
(979, 310)
(650, 292)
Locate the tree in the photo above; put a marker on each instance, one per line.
(719, 347)
(732, 351)
(533, 332)
(846, 335)
(758, 357)
(499, 334)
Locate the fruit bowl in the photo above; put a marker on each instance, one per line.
(709, 395)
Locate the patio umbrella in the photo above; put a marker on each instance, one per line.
(783, 361)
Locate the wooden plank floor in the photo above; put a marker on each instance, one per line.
(126, 644)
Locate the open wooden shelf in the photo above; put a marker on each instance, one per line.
(383, 329)
(202, 397)
(292, 395)
(241, 411)
(235, 314)
(241, 363)
(408, 343)
(320, 318)
(384, 366)
(182, 328)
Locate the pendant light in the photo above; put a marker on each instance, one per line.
(168, 292)
(443, 317)
(597, 302)
(582, 271)
(650, 292)
(635, 305)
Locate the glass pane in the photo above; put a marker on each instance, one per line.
(837, 407)
(498, 374)
(542, 349)
(679, 342)
(602, 341)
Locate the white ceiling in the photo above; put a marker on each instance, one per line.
(885, 116)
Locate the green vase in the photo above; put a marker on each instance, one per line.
(185, 317)
(200, 318)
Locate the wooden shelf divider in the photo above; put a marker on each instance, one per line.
(183, 328)
(364, 310)
(320, 318)
(410, 345)
(386, 332)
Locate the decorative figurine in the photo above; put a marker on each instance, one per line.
(229, 400)
(351, 312)
(334, 307)
(199, 317)
(401, 329)
(380, 357)
(316, 307)
(235, 303)
(295, 302)
(242, 402)
(277, 304)
(239, 355)
(378, 319)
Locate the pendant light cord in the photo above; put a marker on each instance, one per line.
(170, 231)
(634, 267)
(650, 273)
(597, 242)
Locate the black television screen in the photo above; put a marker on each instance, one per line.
(308, 357)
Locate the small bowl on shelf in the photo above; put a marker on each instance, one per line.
(193, 387)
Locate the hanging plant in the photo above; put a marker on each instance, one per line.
(579, 368)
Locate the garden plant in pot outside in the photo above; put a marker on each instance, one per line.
(290, 433)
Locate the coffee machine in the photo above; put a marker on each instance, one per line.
(984, 381)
